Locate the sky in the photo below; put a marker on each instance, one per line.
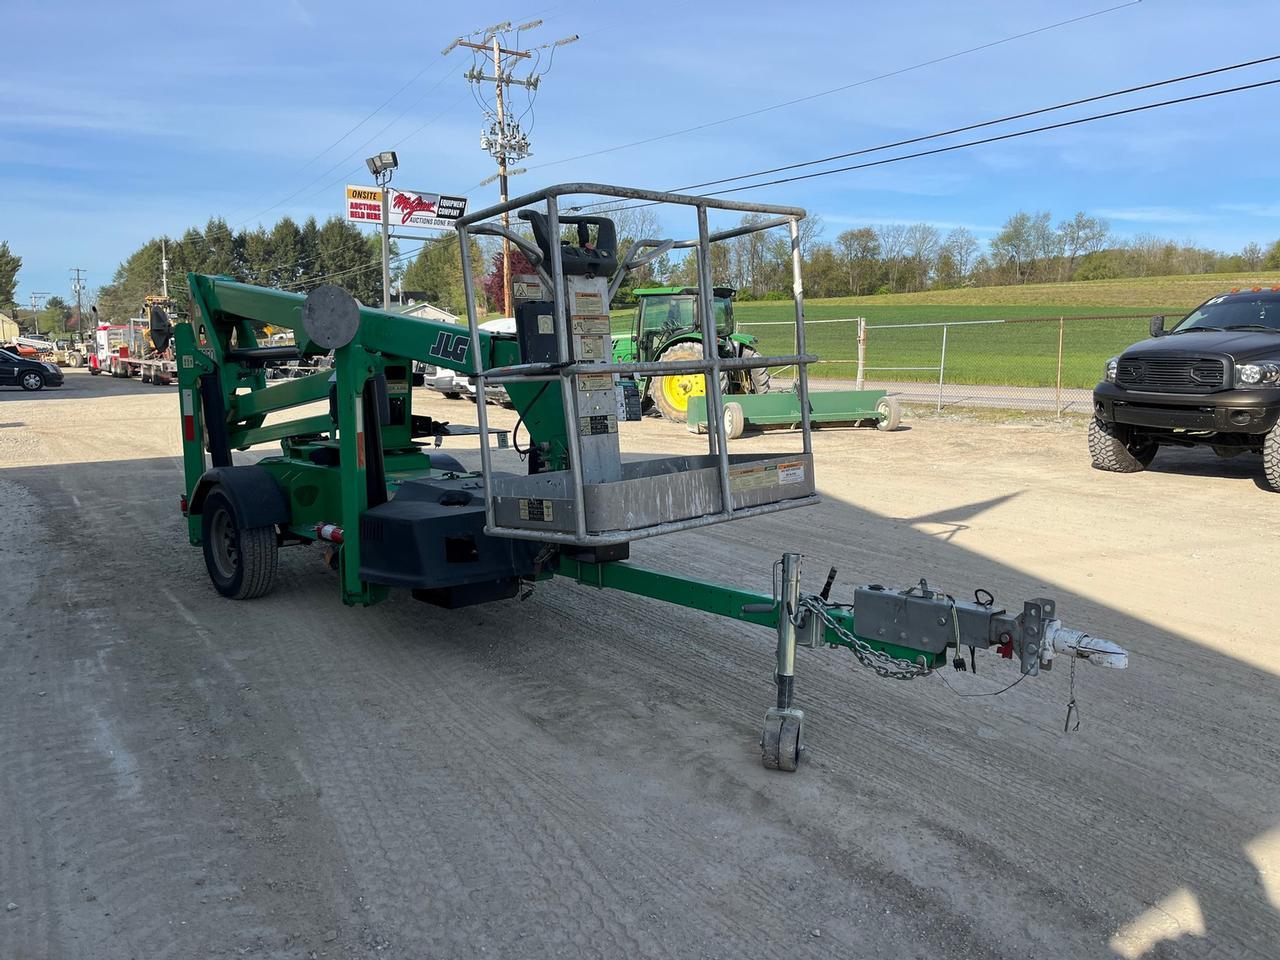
(125, 121)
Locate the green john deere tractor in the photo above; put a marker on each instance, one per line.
(667, 327)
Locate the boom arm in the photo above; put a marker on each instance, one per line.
(369, 429)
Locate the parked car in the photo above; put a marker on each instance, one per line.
(1213, 381)
(27, 372)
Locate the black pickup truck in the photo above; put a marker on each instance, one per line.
(1213, 380)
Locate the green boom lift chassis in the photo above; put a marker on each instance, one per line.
(363, 474)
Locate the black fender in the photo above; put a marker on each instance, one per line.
(253, 491)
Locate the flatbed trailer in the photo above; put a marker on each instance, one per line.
(364, 477)
(139, 348)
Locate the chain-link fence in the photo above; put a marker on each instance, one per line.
(1033, 363)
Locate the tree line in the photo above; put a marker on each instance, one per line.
(1030, 247)
(904, 258)
(288, 255)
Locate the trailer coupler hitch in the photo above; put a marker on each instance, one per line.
(902, 635)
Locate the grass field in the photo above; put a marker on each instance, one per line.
(1022, 353)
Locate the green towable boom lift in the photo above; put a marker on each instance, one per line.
(363, 474)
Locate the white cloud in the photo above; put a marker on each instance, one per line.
(1152, 215)
(1253, 209)
(842, 220)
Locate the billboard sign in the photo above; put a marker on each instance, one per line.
(424, 211)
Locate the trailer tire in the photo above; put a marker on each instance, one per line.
(242, 562)
(734, 420)
(891, 414)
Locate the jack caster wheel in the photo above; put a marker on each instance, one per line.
(782, 743)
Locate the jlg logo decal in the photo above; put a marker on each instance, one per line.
(450, 346)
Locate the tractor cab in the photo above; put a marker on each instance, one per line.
(667, 313)
(667, 327)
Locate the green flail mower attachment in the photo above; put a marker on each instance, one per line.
(854, 408)
(359, 473)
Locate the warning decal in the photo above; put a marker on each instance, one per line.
(791, 472)
(585, 303)
(595, 381)
(590, 325)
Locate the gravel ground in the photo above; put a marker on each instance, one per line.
(577, 775)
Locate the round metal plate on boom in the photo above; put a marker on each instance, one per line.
(330, 317)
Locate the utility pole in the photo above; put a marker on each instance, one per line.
(78, 286)
(504, 140)
(164, 269)
(35, 309)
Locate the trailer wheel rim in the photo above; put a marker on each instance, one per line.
(678, 388)
(225, 543)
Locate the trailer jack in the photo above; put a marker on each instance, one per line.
(899, 634)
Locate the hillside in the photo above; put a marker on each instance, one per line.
(1141, 294)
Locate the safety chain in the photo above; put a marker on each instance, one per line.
(890, 668)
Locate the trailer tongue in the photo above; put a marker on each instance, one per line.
(365, 477)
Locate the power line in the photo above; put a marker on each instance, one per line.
(847, 86)
(962, 129)
(369, 116)
(987, 123)
(995, 139)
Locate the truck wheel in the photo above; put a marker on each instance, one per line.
(1271, 458)
(241, 563)
(1111, 449)
(890, 414)
(759, 380)
(32, 380)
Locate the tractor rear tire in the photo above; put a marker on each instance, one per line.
(242, 562)
(1112, 450)
(75, 360)
(1271, 458)
(759, 380)
(671, 393)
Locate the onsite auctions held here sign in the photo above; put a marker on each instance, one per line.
(429, 211)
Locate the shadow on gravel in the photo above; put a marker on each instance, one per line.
(1205, 463)
(974, 828)
(955, 519)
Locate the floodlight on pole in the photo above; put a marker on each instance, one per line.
(382, 165)
(384, 162)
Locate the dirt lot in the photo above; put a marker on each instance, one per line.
(577, 775)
